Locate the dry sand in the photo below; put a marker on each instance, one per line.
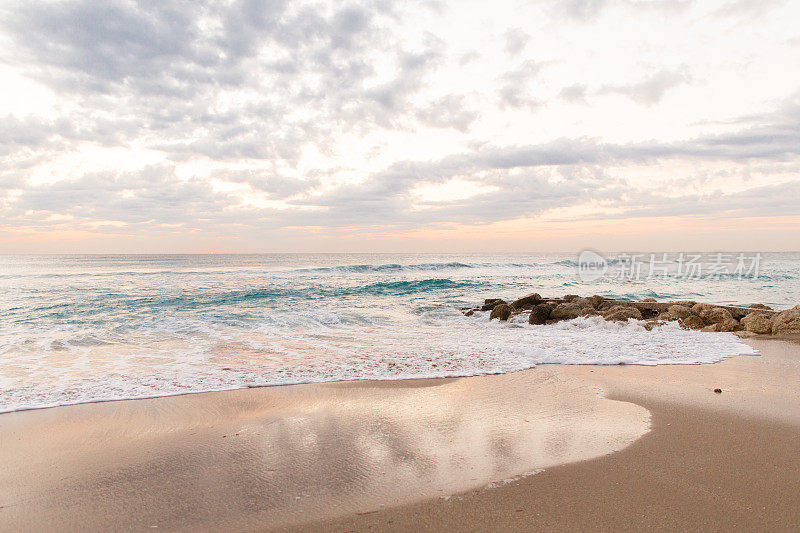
(388, 455)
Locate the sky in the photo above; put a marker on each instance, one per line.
(164, 126)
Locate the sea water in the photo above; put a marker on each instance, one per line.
(87, 328)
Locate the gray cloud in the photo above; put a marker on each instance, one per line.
(651, 90)
(515, 86)
(574, 93)
(516, 41)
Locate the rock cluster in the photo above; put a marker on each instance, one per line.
(756, 318)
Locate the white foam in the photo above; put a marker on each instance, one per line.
(178, 358)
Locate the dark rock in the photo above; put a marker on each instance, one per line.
(570, 297)
(501, 311)
(760, 306)
(529, 300)
(693, 322)
(540, 314)
(566, 311)
(730, 324)
(596, 301)
(490, 303)
(469, 313)
(718, 391)
(622, 312)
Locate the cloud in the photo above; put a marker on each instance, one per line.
(516, 41)
(652, 89)
(448, 112)
(516, 89)
(574, 93)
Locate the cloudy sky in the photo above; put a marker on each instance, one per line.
(260, 126)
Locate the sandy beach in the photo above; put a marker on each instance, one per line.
(532, 449)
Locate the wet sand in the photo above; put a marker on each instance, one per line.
(282, 456)
(712, 462)
(420, 454)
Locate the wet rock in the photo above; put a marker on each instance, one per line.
(622, 312)
(718, 391)
(540, 314)
(679, 312)
(566, 311)
(711, 327)
(715, 315)
(786, 321)
(490, 303)
(596, 301)
(652, 324)
(469, 313)
(529, 300)
(583, 302)
(757, 323)
(501, 312)
(649, 300)
(699, 308)
(730, 324)
(570, 297)
(589, 311)
(760, 306)
(685, 303)
(693, 322)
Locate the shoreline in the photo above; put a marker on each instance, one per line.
(156, 424)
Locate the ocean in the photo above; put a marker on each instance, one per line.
(87, 328)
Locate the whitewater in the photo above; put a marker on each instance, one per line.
(77, 329)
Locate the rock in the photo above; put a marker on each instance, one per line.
(540, 314)
(490, 303)
(715, 315)
(589, 311)
(663, 316)
(757, 323)
(622, 312)
(685, 303)
(469, 313)
(652, 324)
(566, 311)
(760, 306)
(570, 297)
(730, 324)
(679, 312)
(786, 321)
(649, 300)
(529, 300)
(712, 328)
(501, 311)
(596, 301)
(583, 302)
(693, 322)
(718, 391)
(699, 308)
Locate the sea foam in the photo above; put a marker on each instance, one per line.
(179, 357)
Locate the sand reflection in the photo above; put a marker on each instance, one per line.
(284, 455)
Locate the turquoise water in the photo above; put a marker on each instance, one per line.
(82, 328)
